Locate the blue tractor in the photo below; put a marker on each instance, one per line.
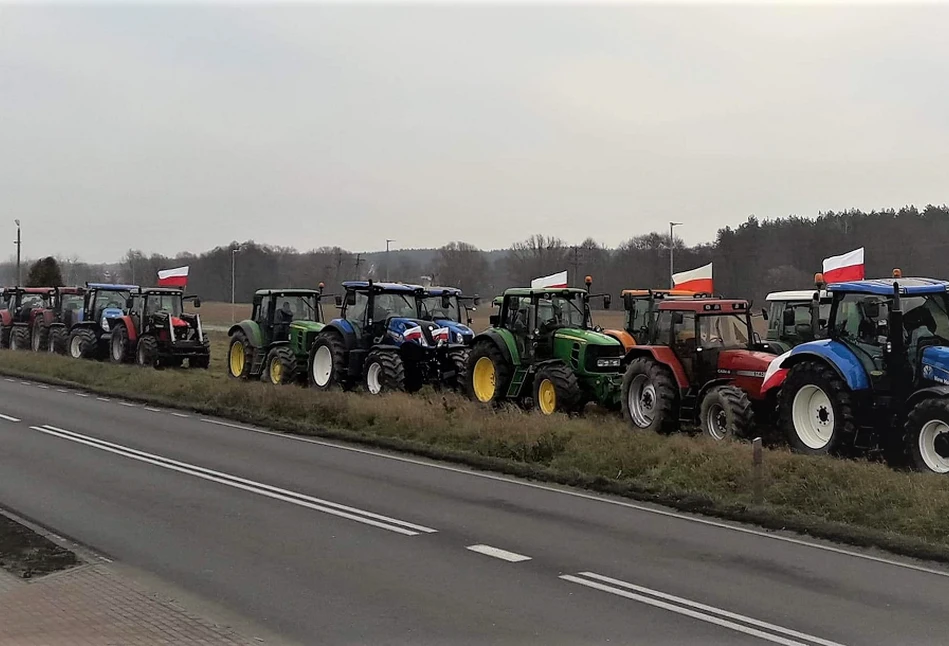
(880, 380)
(380, 342)
(447, 306)
(105, 304)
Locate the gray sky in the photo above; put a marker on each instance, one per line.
(181, 128)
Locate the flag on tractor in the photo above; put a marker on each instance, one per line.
(554, 280)
(848, 266)
(177, 277)
(694, 280)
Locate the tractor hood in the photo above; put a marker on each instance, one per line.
(424, 333)
(590, 337)
(460, 333)
(747, 368)
(935, 364)
(309, 326)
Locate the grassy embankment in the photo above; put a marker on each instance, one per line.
(857, 502)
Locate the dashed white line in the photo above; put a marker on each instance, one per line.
(180, 415)
(103, 399)
(152, 410)
(82, 394)
(26, 383)
(129, 404)
(8, 379)
(42, 386)
(61, 390)
(498, 553)
(8, 418)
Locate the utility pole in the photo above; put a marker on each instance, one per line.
(359, 261)
(672, 225)
(19, 277)
(233, 274)
(576, 264)
(387, 258)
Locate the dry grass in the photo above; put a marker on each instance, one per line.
(861, 502)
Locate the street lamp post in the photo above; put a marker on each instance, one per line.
(233, 272)
(19, 278)
(388, 240)
(672, 225)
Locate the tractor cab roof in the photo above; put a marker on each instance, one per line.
(659, 292)
(162, 290)
(439, 291)
(797, 295)
(71, 290)
(705, 305)
(530, 291)
(34, 290)
(113, 287)
(293, 291)
(399, 288)
(884, 286)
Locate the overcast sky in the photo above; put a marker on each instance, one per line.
(181, 128)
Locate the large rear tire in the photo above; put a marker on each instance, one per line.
(82, 344)
(726, 412)
(326, 368)
(58, 340)
(649, 397)
(488, 374)
(926, 436)
(146, 352)
(39, 340)
(281, 366)
(239, 356)
(121, 349)
(20, 338)
(816, 409)
(556, 390)
(384, 372)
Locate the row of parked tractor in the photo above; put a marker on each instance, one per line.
(860, 365)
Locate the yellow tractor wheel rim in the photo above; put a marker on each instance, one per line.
(484, 379)
(276, 371)
(547, 397)
(237, 359)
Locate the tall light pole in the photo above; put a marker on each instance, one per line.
(233, 272)
(388, 240)
(672, 225)
(19, 278)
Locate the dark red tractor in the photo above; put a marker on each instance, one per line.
(703, 364)
(50, 329)
(20, 309)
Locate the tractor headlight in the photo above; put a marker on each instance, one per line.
(105, 324)
(608, 363)
(459, 338)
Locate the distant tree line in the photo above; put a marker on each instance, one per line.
(749, 260)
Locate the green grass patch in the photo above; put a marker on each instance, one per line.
(853, 501)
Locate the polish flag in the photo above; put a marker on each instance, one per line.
(848, 266)
(173, 277)
(554, 280)
(696, 280)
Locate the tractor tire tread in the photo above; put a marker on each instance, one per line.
(288, 361)
(666, 420)
(566, 386)
(923, 412)
(502, 371)
(339, 378)
(392, 378)
(807, 372)
(738, 410)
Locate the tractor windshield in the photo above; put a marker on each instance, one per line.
(164, 303)
(432, 307)
(394, 305)
(723, 331)
(32, 301)
(296, 308)
(71, 301)
(555, 310)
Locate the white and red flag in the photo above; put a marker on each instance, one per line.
(695, 280)
(554, 280)
(177, 277)
(848, 266)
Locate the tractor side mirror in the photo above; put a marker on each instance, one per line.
(197, 302)
(476, 301)
(128, 303)
(446, 301)
(677, 318)
(788, 318)
(607, 301)
(494, 320)
(339, 300)
(871, 309)
(764, 314)
(350, 298)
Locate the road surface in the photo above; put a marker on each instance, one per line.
(325, 543)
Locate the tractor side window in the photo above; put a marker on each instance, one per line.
(263, 312)
(637, 316)
(356, 313)
(518, 313)
(859, 317)
(683, 330)
(664, 327)
(723, 331)
(776, 318)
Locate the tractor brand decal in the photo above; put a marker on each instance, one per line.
(935, 373)
(742, 373)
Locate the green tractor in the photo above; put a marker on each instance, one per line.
(274, 343)
(542, 348)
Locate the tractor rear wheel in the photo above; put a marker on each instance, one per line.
(926, 436)
(556, 389)
(384, 372)
(816, 409)
(82, 344)
(58, 340)
(487, 373)
(40, 337)
(146, 352)
(20, 338)
(121, 349)
(649, 397)
(239, 355)
(281, 367)
(726, 412)
(326, 368)
(459, 363)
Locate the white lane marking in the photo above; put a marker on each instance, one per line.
(103, 399)
(8, 379)
(26, 383)
(82, 394)
(702, 612)
(596, 498)
(8, 418)
(130, 405)
(180, 415)
(293, 497)
(61, 390)
(42, 386)
(498, 553)
(152, 410)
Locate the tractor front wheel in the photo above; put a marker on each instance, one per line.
(649, 397)
(20, 339)
(120, 348)
(556, 390)
(82, 344)
(281, 366)
(327, 366)
(926, 436)
(815, 409)
(459, 363)
(384, 372)
(146, 353)
(726, 412)
(239, 356)
(40, 337)
(488, 373)
(58, 340)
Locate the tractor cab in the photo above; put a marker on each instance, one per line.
(640, 307)
(797, 316)
(104, 305)
(21, 306)
(276, 311)
(448, 307)
(390, 312)
(68, 305)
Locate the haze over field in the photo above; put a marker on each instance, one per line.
(181, 127)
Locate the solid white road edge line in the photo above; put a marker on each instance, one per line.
(585, 496)
(302, 500)
(498, 553)
(688, 612)
(8, 418)
(709, 609)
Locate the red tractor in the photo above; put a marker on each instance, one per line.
(702, 363)
(18, 311)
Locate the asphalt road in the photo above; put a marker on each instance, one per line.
(330, 544)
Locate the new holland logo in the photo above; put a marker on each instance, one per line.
(927, 371)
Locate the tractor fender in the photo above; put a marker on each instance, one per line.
(6, 318)
(49, 317)
(933, 392)
(504, 341)
(126, 321)
(623, 337)
(663, 355)
(251, 332)
(712, 383)
(344, 329)
(834, 354)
